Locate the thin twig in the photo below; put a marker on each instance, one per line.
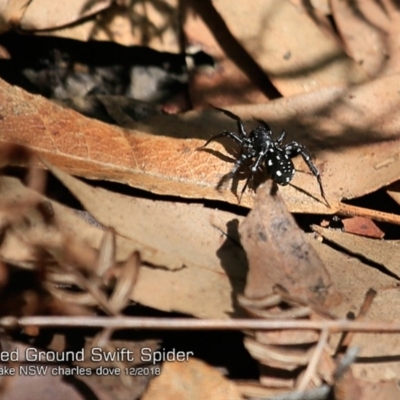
(120, 322)
(350, 210)
(313, 364)
(348, 336)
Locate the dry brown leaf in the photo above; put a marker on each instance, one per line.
(371, 33)
(353, 279)
(386, 253)
(47, 387)
(168, 234)
(204, 291)
(363, 227)
(129, 23)
(12, 190)
(282, 261)
(126, 283)
(298, 56)
(279, 254)
(44, 14)
(193, 240)
(235, 79)
(193, 380)
(348, 388)
(353, 131)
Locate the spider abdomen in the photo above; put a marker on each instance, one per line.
(279, 166)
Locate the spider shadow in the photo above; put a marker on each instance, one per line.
(309, 194)
(252, 183)
(217, 153)
(242, 174)
(232, 254)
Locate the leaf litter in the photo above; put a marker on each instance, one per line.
(179, 241)
(171, 166)
(341, 101)
(286, 56)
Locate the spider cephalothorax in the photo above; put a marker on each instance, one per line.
(259, 147)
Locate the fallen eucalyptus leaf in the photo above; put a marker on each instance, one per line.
(386, 253)
(279, 254)
(196, 242)
(355, 141)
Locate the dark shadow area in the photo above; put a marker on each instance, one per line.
(62, 68)
(84, 390)
(231, 249)
(48, 66)
(55, 190)
(380, 201)
(166, 21)
(218, 348)
(231, 46)
(377, 360)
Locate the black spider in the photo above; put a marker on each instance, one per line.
(258, 146)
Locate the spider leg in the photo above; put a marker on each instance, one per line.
(292, 149)
(280, 138)
(238, 163)
(232, 135)
(253, 170)
(235, 117)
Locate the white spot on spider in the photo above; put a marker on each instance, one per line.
(270, 163)
(278, 173)
(278, 158)
(287, 179)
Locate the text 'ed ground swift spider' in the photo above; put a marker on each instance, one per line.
(258, 146)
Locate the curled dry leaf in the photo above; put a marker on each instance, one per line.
(300, 56)
(31, 242)
(106, 256)
(126, 282)
(279, 254)
(282, 261)
(15, 251)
